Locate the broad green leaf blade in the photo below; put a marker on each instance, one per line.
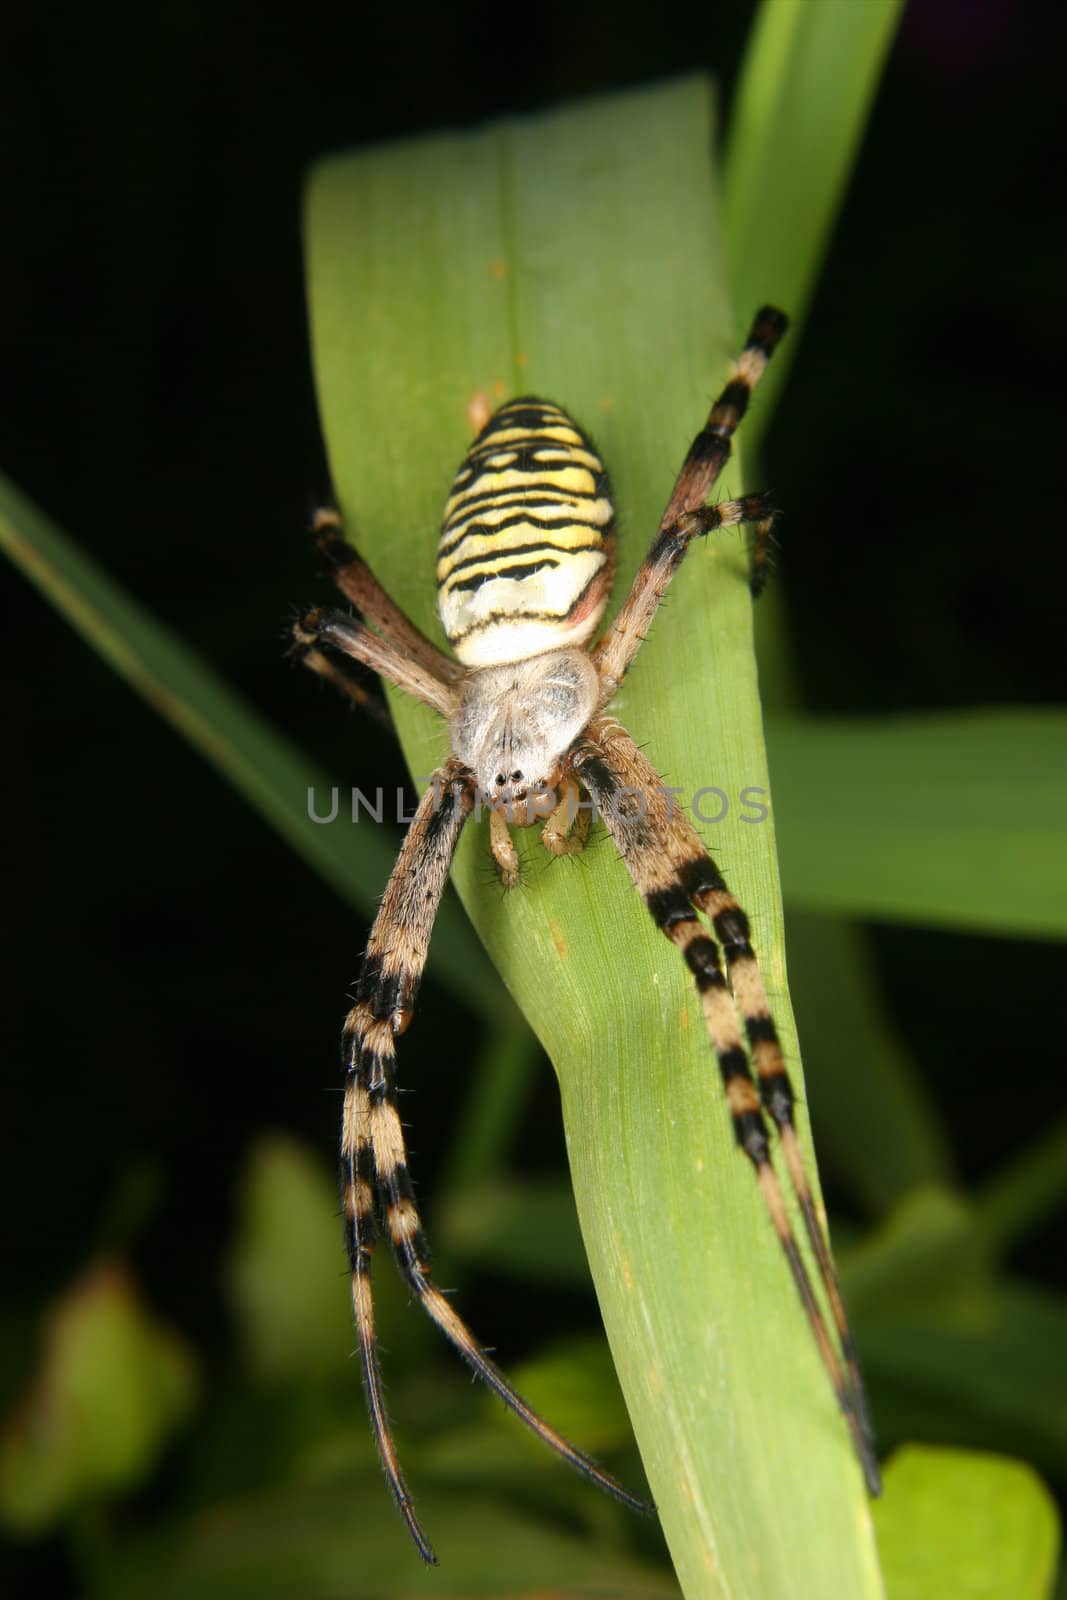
(842, 1021)
(112, 1385)
(976, 1527)
(805, 92)
(271, 774)
(955, 819)
(293, 1306)
(284, 1543)
(576, 256)
(953, 1350)
(990, 1370)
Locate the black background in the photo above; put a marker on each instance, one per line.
(176, 976)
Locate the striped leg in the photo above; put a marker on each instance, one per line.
(675, 874)
(358, 584)
(353, 638)
(687, 515)
(373, 1154)
(343, 680)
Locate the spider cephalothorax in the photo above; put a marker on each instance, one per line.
(524, 568)
(516, 722)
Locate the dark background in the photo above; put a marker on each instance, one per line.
(176, 975)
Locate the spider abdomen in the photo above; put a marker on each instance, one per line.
(527, 548)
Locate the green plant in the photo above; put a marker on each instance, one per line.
(496, 253)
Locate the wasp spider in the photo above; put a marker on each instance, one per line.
(524, 568)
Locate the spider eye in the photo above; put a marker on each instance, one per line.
(516, 777)
(500, 779)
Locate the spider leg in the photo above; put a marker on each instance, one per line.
(358, 584)
(353, 638)
(674, 873)
(344, 680)
(505, 855)
(686, 514)
(373, 1152)
(567, 829)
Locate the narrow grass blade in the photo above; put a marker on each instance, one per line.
(271, 774)
(576, 256)
(841, 1019)
(806, 87)
(946, 819)
(1027, 1190)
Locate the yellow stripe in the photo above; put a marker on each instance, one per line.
(576, 480)
(560, 513)
(561, 434)
(552, 513)
(570, 536)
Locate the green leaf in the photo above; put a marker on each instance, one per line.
(271, 774)
(969, 1526)
(292, 1302)
(800, 109)
(842, 1021)
(111, 1387)
(335, 1541)
(577, 256)
(953, 1350)
(888, 818)
(985, 1370)
(526, 1228)
(1029, 1188)
(799, 112)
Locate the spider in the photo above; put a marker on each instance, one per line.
(525, 563)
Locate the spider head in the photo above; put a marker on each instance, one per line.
(514, 724)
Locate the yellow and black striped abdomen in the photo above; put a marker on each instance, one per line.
(527, 548)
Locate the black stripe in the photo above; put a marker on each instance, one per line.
(669, 906)
(525, 413)
(701, 876)
(768, 328)
(570, 500)
(378, 1071)
(493, 499)
(732, 930)
(527, 616)
(733, 1063)
(530, 440)
(757, 507)
(380, 990)
(598, 776)
(334, 549)
(539, 473)
(668, 548)
(707, 448)
(453, 801)
(761, 1030)
(734, 397)
(359, 1252)
(776, 1092)
(513, 550)
(702, 959)
(499, 571)
(400, 1184)
(751, 1134)
(538, 455)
